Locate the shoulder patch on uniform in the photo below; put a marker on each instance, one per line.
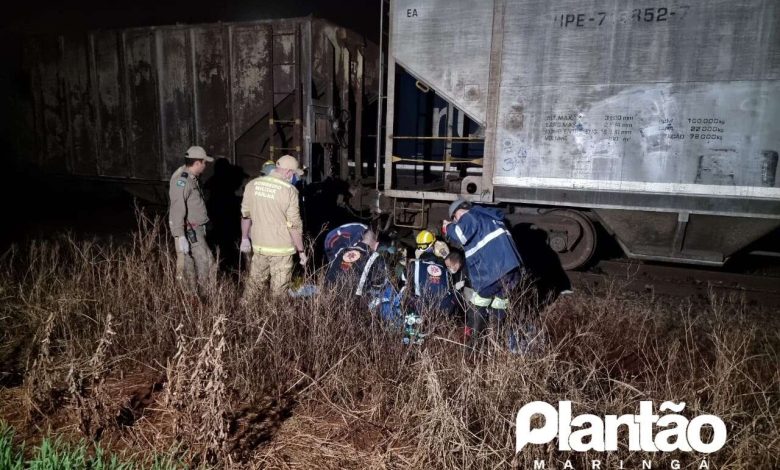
(434, 270)
(181, 183)
(348, 259)
(184, 174)
(351, 256)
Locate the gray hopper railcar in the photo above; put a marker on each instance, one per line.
(657, 119)
(125, 104)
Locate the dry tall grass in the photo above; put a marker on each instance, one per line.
(110, 348)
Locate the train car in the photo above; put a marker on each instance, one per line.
(655, 119)
(125, 105)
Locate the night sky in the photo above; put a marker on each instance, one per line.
(56, 16)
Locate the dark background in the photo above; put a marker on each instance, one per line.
(38, 206)
(50, 16)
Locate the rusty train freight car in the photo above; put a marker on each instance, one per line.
(126, 104)
(657, 119)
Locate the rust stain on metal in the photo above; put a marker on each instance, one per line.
(128, 103)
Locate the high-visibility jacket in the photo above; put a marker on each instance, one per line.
(342, 237)
(490, 251)
(272, 204)
(362, 271)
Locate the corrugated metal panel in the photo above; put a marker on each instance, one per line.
(251, 91)
(109, 98)
(210, 53)
(673, 97)
(50, 109)
(80, 115)
(624, 96)
(127, 104)
(446, 44)
(175, 90)
(284, 60)
(251, 74)
(142, 104)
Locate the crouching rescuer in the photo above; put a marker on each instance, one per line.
(271, 227)
(188, 218)
(492, 259)
(360, 271)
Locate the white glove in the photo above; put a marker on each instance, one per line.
(183, 244)
(246, 245)
(459, 285)
(303, 258)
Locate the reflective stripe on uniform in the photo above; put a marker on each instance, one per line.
(364, 275)
(417, 278)
(267, 250)
(480, 301)
(459, 234)
(352, 225)
(488, 238)
(499, 303)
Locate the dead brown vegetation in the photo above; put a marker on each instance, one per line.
(109, 347)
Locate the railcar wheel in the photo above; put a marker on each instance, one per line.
(576, 244)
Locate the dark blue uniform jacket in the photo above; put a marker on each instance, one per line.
(490, 251)
(342, 237)
(359, 269)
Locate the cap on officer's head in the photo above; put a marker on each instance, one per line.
(288, 162)
(197, 152)
(456, 205)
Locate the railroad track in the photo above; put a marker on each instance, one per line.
(678, 281)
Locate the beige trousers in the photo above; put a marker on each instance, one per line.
(277, 269)
(194, 269)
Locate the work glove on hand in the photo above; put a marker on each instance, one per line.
(246, 245)
(303, 257)
(444, 226)
(182, 244)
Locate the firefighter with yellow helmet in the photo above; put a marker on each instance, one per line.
(427, 277)
(429, 247)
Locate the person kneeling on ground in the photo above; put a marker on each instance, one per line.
(459, 282)
(343, 236)
(428, 247)
(430, 287)
(493, 262)
(359, 269)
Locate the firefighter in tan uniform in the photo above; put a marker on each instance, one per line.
(188, 218)
(271, 227)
